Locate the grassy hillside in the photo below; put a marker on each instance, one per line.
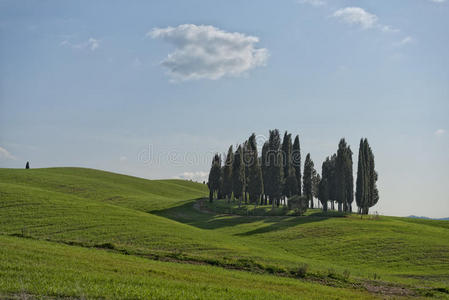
(141, 224)
(33, 268)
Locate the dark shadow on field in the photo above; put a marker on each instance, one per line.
(187, 214)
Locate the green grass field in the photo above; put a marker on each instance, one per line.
(83, 233)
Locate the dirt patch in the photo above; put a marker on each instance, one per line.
(386, 289)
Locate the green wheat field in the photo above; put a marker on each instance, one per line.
(84, 233)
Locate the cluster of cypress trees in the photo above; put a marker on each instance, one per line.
(269, 179)
(276, 175)
(337, 182)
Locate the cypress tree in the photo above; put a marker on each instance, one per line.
(290, 183)
(227, 174)
(265, 172)
(296, 161)
(332, 181)
(323, 192)
(349, 180)
(220, 193)
(367, 194)
(307, 179)
(316, 178)
(275, 168)
(246, 161)
(360, 196)
(340, 173)
(255, 183)
(214, 176)
(344, 178)
(238, 175)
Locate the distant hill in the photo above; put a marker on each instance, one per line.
(427, 218)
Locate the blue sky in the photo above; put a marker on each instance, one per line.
(153, 89)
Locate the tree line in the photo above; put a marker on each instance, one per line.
(275, 177)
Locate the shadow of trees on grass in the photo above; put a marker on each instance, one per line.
(187, 214)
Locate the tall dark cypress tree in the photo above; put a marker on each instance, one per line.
(373, 193)
(316, 178)
(214, 176)
(290, 182)
(323, 193)
(296, 161)
(307, 179)
(367, 194)
(255, 183)
(220, 193)
(246, 161)
(238, 175)
(341, 174)
(265, 172)
(349, 180)
(344, 177)
(361, 179)
(275, 167)
(333, 180)
(324, 186)
(227, 174)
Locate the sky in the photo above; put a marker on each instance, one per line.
(154, 88)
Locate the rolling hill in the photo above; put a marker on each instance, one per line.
(75, 232)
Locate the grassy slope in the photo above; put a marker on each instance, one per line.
(90, 207)
(29, 267)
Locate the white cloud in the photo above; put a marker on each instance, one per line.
(405, 41)
(437, 1)
(356, 15)
(123, 158)
(4, 154)
(91, 44)
(359, 16)
(208, 52)
(387, 28)
(440, 132)
(199, 176)
(313, 2)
